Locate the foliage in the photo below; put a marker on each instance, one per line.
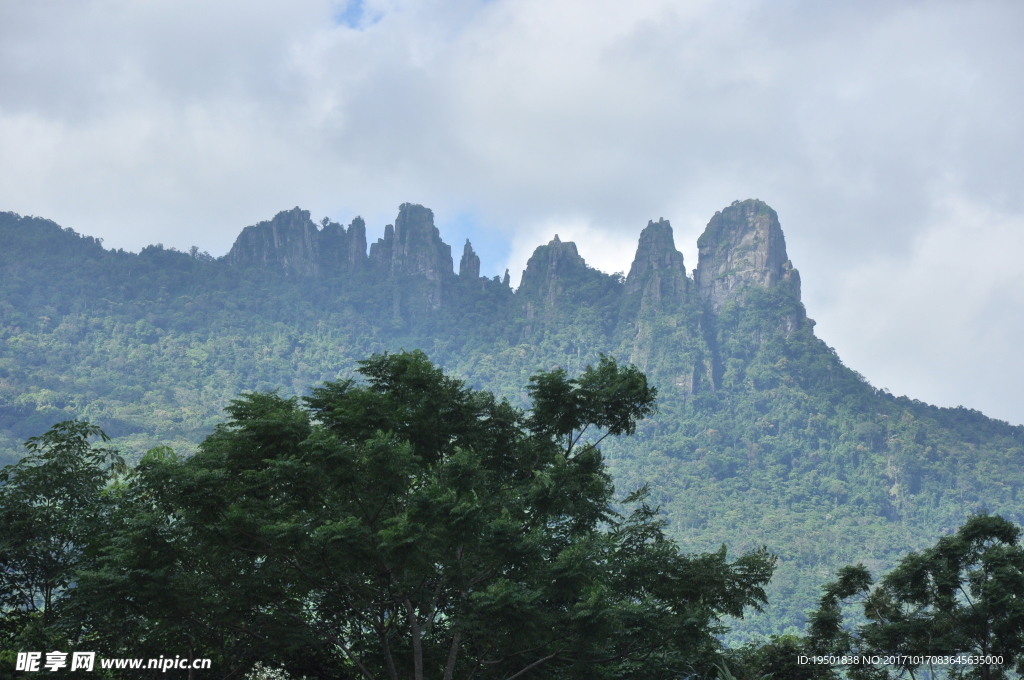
(964, 595)
(52, 513)
(762, 435)
(405, 527)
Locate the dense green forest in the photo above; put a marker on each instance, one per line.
(762, 435)
(389, 528)
(403, 525)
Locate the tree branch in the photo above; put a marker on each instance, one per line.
(533, 665)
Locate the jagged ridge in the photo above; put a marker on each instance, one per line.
(763, 436)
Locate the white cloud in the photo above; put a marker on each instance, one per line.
(868, 126)
(945, 321)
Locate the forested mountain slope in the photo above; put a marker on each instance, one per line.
(763, 435)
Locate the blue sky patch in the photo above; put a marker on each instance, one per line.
(351, 15)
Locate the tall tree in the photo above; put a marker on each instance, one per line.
(51, 511)
(410, 527)
(964, 595)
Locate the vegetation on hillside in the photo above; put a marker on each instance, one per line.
(763, 436)
(403, 527)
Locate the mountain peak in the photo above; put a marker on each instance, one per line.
(742, 246)
(551, 261)
(549, 268)
(342, 250)
(469, 265)
(413, 247)
(657, 267)
(289, 242)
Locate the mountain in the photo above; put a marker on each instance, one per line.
(763, 435)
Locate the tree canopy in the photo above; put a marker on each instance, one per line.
(407, 526)
(52, 514)
(762, 434)
(962, 597)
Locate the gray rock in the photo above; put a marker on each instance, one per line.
(658, 274)
(413, 247)
(548, 270)
(357, 244)
(743, 246)
(552, 275)
(469, 265)
(290, 242)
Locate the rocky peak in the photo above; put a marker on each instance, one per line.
(290, 242)
(413, 246)
(557, 284)
(658, 271)
(342, 250)
(380, 252)
(469, 265)
(656, 285)
(549, 267)
(356, 250)
(552, 274)
(742, 246)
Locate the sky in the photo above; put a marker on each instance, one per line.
(888, 136)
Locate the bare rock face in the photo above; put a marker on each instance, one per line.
(333, 244)
(413, 247)
(658, 273)
(656, 292)
(290, 242)
(548, 271)
(342, 250)
(380, 252)
(356, 244)
(551, 274)
(743, 246)
(469, 265)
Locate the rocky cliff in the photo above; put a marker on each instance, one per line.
(342, 250)
(469, 265)
(658, 275)
(291, 243)
(549, 272)
(742, 246)
(558, 287)
(659, 309)
(413, 247)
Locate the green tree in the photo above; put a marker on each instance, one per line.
(52, 508)
(964, 595)
(157, 588)
(410, 527)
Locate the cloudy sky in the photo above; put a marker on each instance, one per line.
(887, 135)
